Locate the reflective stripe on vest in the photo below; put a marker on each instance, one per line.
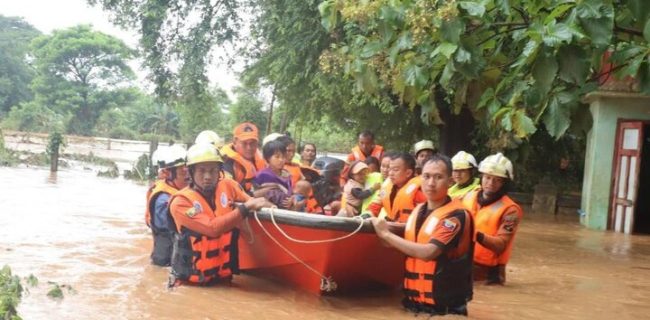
(488, 220)
(446, 280)
(158, 187)
(211, 256)
(244, 170)
(404, 202)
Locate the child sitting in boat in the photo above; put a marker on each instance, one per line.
(274, 182)
(354, 192)
(301, 193)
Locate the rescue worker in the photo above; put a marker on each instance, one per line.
(365, 147)
(308, 154)
(399, 196)
(211, 137)
(242, 158)
(171, 162)
(423, 151)
(438, 245)
(464, 165)
(207, 215)
(497, 218)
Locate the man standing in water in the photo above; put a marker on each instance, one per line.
(464, 165)
(438, 244)
(205, 248)
(242, 158)
(497, 217)
(171, 161)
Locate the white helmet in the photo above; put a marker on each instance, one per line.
(271, 137)
(497, 165)
(158, 155)
(463, 160)
(172, 156)
(424, 145)
(211, 137)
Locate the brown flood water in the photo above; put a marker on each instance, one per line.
(88, 232)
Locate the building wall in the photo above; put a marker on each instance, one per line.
(606, 108)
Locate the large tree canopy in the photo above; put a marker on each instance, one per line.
(78, 70)
(15, 73)
(516, 63)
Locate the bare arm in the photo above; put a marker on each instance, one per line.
(422, 251)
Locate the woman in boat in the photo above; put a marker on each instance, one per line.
(438, 243)
(206, 217)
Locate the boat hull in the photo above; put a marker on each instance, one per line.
(356, 263)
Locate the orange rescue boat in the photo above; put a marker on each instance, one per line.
(305, 249)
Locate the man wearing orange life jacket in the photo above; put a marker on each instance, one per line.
(171, 163)
(242, 158)
(365, 147)
(399, 196)
(207, 216)
(307, 154)
(438, 245)
(496, 216)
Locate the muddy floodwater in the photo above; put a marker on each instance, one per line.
(88, 233)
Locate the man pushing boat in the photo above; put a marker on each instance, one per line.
(438, 242)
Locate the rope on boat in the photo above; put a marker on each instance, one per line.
(327, 284)
(272, 211)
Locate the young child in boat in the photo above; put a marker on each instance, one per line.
(354, 191)
(300, 195)
(274, 182)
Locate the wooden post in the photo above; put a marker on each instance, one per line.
(153, 145)
(54, 160)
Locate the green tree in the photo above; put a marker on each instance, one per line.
(78, 72)
(15, 72)
(248, 108)
(517, 64)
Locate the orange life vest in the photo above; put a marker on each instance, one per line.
(358, 155)
(447, 280)
(404, 202)
(243, 170)
(160, 186)
(488, 220)
(201, 259)
(295, 172)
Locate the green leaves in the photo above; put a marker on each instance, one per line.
(557, 117)
(329, 15)
(556, 33)
(597, 20)
(473, 8)
(451, 30)
(544, 71)
(574, 65)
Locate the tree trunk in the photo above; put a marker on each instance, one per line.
(456, 133)
(269, 122)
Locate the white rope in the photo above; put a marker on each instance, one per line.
(327, 283)
(272, 211)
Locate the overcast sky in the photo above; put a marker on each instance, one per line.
(48, 15)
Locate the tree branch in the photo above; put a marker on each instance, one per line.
(631, 31)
